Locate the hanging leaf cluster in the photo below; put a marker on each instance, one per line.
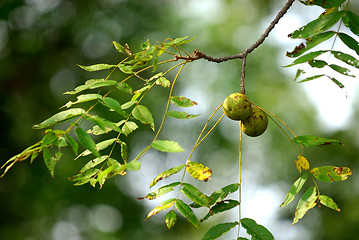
(321, 30)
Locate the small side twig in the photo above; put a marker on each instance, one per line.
(243, 75)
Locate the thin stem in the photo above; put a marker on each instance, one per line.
(243, 75)
(240, 179)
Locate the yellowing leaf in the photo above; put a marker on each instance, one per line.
(302, 162)
(308, 201)
(199, 171)
(166, 204)
(331, 173)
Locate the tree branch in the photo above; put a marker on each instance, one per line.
(199, 55)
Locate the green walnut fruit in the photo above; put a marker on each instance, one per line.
(237, 107)
(256, 124)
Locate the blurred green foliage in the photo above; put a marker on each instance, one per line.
(42, 41)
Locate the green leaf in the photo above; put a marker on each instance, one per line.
(342, 70)
(166, 146)
(86, 141)
(166, 174)
(331, 173)
(127, 69)
(328, 202)
(163, 206)
(146, 45)
(349, 41)
(310, 43)
(322, 23)
(178, 41)
(97, 67)
(124, 151)
(218, 230)
(50, 161)
(181, 115)
(48, 139)
(171, 219)
(182, 101)
(348, 59)
(161, 191)
(317, 63)
(186, 212)
(138, 92)
(257, 231)
(84, 177)
(128, 104)
(307, 202)
(221, 207)
(113, 105)
(164, 82)
(307, 57)
(351, 21)
(60, 117)
(93, 163)
(72, 143)
(134, 165)
(296, 187)
(324, 3)
(339, 84)
(195, 195)
(93, 84)
(124, 87)
(314, 141)
(129, 127)
(120, 48)
(222, 193)
(142, 114)
(311, 78)
(199, 171)
(83, 98)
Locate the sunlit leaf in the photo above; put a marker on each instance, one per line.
(182, 101)
(218, 230)
(348, 59)
(307, 57)
(302, 162)
(181, 115)
(199, 171)
(84, 177)
(163, 206)
(128, 104)
(171, 219)
(124, 151)
(142, 114)
(137, 93)
(124, 87)
(329, 202)
(221, 207)
(129, 127)
(186, 212)
(310, 43)
(166, 174)
(349, 41)
(324, 3)
(134, 165)
(125, 68)
(195, 195)
(314, 141)
(97, 67)
(331, 173)
(120, 48)
(322, 23)
(257, 231)
(307, 202)
(93, 163)
(351, 21)
(222, 193)
(164, 82)
(161, 191)
(86, 141)
(166, 146)
(83, 98)
(60, 117)
(99, 146)
(295, 188)
(93, 84)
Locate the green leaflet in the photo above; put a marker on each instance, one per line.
(167, 146)
(181, 115)
(221, 207)
(93, 84)
(114, 105)
(182, 101)
(195, 195)
(257, 231)
(50, 161)
(142, 114)
(314, 141)
(218, 230)
(222, 193)
(166, 174)
(86, 141)
(83, 98)
(307, 57)
(60, 117)
(134, 165)
(93, 163)
(124, 87)
(331, 173)
(186, 212)
(97, 67)
(296, 187)
(164, 82)
(161, 191)
(99, 146)
(322, 23)
(49, 139)
(328, 202)
(348, 59)
(349, 41)
(171, 219)
(121, 48)
(84, 177)
(324, 3)
(307, 202)
(351, 21)
(129, 127)
(163, 206)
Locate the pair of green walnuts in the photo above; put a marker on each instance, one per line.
(238, 107)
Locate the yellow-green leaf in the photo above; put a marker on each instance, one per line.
(331, 173)
(171, 219)
(307, 202)
(161, 191)
(329, 202)
(199, 171)
(142, 114)
(60, 117)
(314, 141)
(166, 146)
(296, 187)
(166, 174)
(181, 101)
(302, 162)
(163, 206)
